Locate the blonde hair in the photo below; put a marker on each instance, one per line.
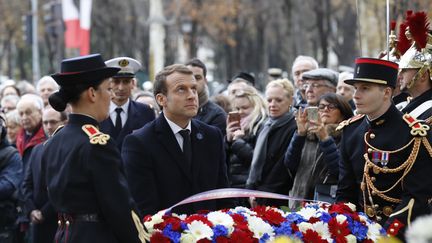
(283, 83)
(259, 112)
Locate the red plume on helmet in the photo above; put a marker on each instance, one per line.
(418, 26)
(403, 43)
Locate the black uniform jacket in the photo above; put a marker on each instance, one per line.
(397, 189)
(84, 177)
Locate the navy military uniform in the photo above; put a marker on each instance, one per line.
(137, 114)
(83, 168)
(386, 163)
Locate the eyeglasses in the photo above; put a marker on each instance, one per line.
(330, 107)
(313, 85)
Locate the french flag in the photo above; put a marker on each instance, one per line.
(77, 23)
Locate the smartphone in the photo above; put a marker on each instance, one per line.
(312, 113)
(234, 116)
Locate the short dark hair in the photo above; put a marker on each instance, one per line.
(195, 62)
(343, 106)
(160, 79)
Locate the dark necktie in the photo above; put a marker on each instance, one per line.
(118, 122)
(187, 149)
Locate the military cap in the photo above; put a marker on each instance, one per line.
(322, 74)
(128, 66)
(274, 72)
(372, 70)
(83, 70)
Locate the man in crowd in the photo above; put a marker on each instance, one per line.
(45, 87)
(31, 134)
(239, 82)
(37, 208)
(344, 89)
(174, 156)
(318, 82)
(125, 115)
(386, 156)
(300, 65)
(208, 111)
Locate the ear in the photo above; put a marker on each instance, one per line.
(161, 99)
(388, 93)
(91, 94)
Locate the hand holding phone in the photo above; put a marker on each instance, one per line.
(312, 113)
(234, 116)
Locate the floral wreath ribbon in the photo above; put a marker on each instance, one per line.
(235, 193)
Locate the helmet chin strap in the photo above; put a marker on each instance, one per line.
(418, 75)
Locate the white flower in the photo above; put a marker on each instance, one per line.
(303, 226)
(374, 231)
(341, 218)
(222, 219)
(351, 206)
(259, 227)
(308, 212)
(322, 229)
(420, 230)
(187, 238)
(155, 219)
(243, 210)
(351, 238)
(199, 230)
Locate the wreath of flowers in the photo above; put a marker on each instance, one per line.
(312, 223)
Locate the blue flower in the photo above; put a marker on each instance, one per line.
(172, 235)
(283, 229)
(298, 235)
(264, 238)
(220, 230)
(183, 226)
(325, 217)
(295, 218)
(359, 230)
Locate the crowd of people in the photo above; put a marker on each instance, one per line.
(86, 155)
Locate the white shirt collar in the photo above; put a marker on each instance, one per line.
(176, 128)
(125, 107)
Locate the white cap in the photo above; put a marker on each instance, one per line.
(128, 66)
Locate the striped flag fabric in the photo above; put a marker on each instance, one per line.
(77, 23)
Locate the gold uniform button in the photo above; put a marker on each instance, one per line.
(59, 222)
(373, 179)
(376, 170)
(372, 136)
(387, 211)
(370, 211)
(370, 150)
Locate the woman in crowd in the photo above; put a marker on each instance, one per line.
(312, 156)
(242, 134)
(13, 126)
(267, 171)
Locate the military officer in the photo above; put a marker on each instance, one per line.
(415, 71)
(85, 183)
(125, 115)
(386, 156)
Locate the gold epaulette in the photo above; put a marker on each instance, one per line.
(96, 137)
(417, 126)
(349, 121)
(57, 130)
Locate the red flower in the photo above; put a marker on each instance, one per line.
(312, 237)
(269, 215)
(294, 227)
(340, 208)
(158, 237)
(241, 236)
(338, 230)
(314, 220)
(240, 222)
(222, 239)
(198, 217)
(205, 240)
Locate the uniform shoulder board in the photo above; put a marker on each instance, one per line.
(349, 121)
(95, 136)
(418, 128)
(57, 130)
